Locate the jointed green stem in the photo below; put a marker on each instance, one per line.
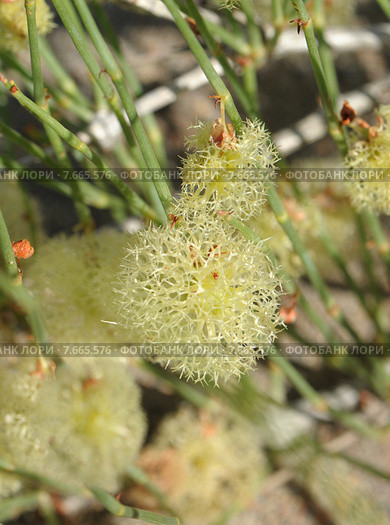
(204, 62)
(381, 241)
(6, 251)
(74, 28)
(150, 121)
(116, 508)
(164, 197)
(335, 128)
(217, 52)
(65, 81)
(385, 5)
(134, 201)
(311, 269)
(288, 282)
(83, 211)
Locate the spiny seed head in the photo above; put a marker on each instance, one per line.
(211, 173)
(13, 23)
(373, 153)
(199, 281)
(216, 460)
(92, 421)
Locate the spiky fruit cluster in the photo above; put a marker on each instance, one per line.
(215, 173)
(72, 279)
(198, 281)
(372, 154)
(209, 463)
(13, 23)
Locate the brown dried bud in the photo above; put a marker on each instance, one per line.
(347, 113)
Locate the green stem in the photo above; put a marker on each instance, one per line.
(367, 259)
(116, 508)
(134, 201)
(150, 121)
(333, 251)
(234, 39)
(39, 89)
(334, 125)
(381, 241)
(63, 100)
(319, 402)
(6, 251)
(385, 5)
(288, 282)
(12, 508)
(204, 62)
(16, 292)
(319, 21)
(218, 53)
(74, 28)
(28, 145)
(141, 478)
(83, 212)
(65, 81)
(116, 75)
(311, 269)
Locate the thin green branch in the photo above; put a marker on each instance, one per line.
(6, 251)
(150, 121)
(16, 292)
(334, 125)
(12, 508)
(204, 62)
(63, 101)
(215, 49)
(311, 269)
(288, 282)
(381, 241)
(134, 201)
(325, 52)
(163, 197)
(40, 479)
(39, 89)
(65, 81)
(83, 212)
(74, 28)
(141, 478)
(385, 5)
(116, 508)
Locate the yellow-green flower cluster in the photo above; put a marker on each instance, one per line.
(209, 464)
(372, 154)
(215, 172)
(336, 487)
(198, 281)
(19, 441)
(72, 279)
(92, 422)
(13, 23)
(82, 425)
